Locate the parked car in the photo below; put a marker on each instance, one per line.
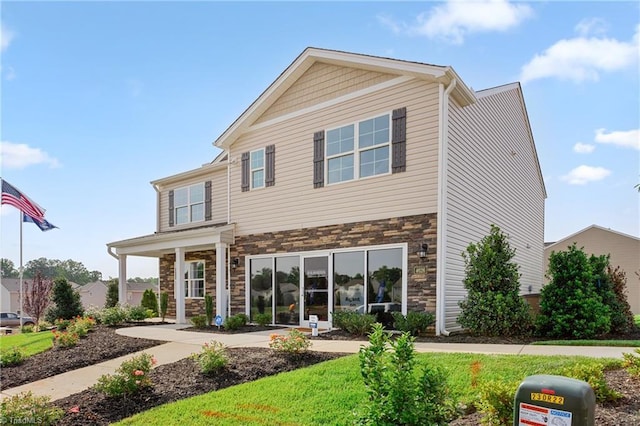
(11, 319)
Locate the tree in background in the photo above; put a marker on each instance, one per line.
(69, 269)
(8, 269)
(112, 293)
(37, 297)
(493, 306)
(570, 306)
(143, 280)
(150, 301)
(66, 301)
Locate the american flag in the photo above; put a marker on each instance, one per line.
(15, 198)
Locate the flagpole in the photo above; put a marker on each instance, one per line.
(20, 216)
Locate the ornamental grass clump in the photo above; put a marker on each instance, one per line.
(294, 343)
(212, 358)
(131, 377)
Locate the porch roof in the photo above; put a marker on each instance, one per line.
(158, 244)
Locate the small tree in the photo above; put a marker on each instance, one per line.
(150, 301)
(112, 293)
(622, 321)
(208, 308)
(66, 301)
(570, 306)
(493, 306)
(164, 304)
(38, 297)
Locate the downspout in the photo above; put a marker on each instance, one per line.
(112, 253)
(443, 142)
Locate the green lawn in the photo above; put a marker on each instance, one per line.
(622, 343)
(328, 393)
(31, 343)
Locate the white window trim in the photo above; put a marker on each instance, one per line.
(189, 204)
(263, 168)
(189, 280)
(356, 151)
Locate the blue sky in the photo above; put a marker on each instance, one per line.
(100, 98)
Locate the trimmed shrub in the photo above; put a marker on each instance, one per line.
(199, 321)
(415, 323)
(149, 301)
(263, 319)
(113, 316)
(353, 322)
(294, 343)
(632, 363)
(570, 307)
(496, 403)
(594, 375)
(235, 322)
(129, 378)
(493, 306)
(137, 313)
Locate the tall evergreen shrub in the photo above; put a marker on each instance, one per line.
(66, 301)
(208, 308)
(150, 301)
(570, 305)
(112, 293)
(493, 306)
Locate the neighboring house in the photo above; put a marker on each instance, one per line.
(11, 293)
(136, 290)
(92, 294)
(352, 181)
(624, 251)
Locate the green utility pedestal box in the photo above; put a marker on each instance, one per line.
(543, 400)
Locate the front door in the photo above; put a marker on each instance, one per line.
(315, 288)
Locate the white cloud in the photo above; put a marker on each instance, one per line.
(583, 148)
(456, 19)
(591, 26)
(585, 174)
(582, 58)
(6, 35)
(625, 139)
(19, 156)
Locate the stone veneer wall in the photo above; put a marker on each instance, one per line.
(193, 307)
(414, 230)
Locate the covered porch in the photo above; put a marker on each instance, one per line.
(217, 238)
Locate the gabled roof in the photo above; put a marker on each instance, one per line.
(516, 86)
(563, 241)
(436, 73)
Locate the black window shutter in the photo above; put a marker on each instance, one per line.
(245, 171)
(270, 165)
(399, 140)
(207, 200)
(171, 210)
(318, 159)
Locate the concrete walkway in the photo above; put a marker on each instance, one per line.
(181, 344)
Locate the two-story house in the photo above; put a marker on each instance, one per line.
(353, 183)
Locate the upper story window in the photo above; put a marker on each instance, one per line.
(188, 203)
(257, 168)
(194, 279)
(370, 147)
(358, 150)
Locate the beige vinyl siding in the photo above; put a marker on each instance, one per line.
(218, 200)
(623, 249)
(294, 203)
(493, 178)
(322, 82)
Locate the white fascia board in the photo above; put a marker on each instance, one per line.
(203, 170)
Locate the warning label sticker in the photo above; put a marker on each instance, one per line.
(533, 415)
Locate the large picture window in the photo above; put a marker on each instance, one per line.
(350, 157)
(188, 204)
(194, 281)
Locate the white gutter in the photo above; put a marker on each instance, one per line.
(112, 253)
(443, 143)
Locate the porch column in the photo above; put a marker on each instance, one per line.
(178, 286)
(221, 280)
(122, 279)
